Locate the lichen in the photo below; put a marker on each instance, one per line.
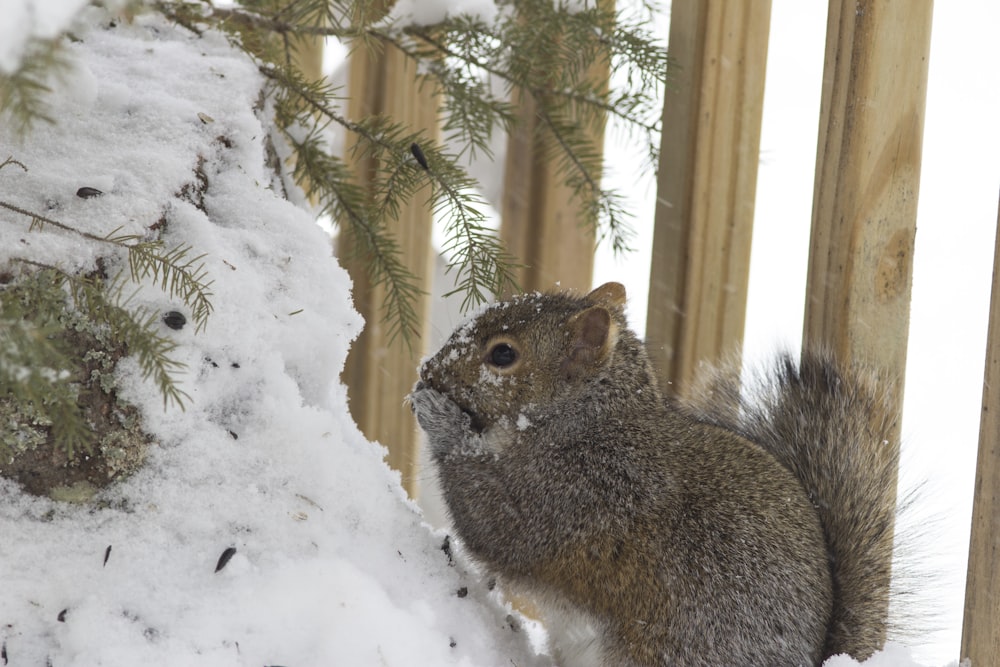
(29, 451)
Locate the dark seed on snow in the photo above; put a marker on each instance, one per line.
(446, 548)
(462, 592)
(107, 554)
(87, 193)
(175, 320)
(224, 558)
(62, 616)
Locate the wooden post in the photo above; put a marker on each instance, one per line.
(307, 56)
(379, 374)
(867, 178)
(865, 198)
(541, 222)
(980, 636)
(707, 182)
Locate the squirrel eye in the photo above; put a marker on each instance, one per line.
(502, 355)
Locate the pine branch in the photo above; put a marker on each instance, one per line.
(101, 303)
(135, 329)
(177, 274)
(541, 49)
(22, 93)
(627, 44)
(349, 205)
(35, 371)
(483, 268)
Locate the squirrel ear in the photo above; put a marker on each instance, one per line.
(609, 295)
(593, 333)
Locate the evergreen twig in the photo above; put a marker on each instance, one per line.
(177, 274)
(541, 49)
(46, 382)
(538, 49)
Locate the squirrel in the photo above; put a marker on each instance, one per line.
(731, 528)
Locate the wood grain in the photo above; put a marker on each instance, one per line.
(707, 184)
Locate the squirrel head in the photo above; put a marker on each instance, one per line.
(527, 352)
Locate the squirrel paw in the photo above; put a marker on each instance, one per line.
(447, 425)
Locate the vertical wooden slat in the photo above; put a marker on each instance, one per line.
(706, 185)
(378, 373)
(980, 636)
(541, 222)
(867, 178)
(307, 57)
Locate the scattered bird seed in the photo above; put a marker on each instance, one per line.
(224, 558)
(107, 553)
(310, 501)
(87, 193)
(175, 320)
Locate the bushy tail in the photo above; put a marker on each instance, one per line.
(833, 428)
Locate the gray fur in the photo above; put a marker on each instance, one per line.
(683, 535)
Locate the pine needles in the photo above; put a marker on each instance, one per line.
(540, 51)
(537, 50)
(177, 274)
(22, 92)
(42, 305)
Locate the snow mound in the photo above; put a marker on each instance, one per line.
(263, 529)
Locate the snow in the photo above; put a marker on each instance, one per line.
(893, 655)
(332, 564)
(430, 12)
(25, 20)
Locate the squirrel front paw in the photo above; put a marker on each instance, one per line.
(446, 424)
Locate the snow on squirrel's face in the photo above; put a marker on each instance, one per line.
(519, 353)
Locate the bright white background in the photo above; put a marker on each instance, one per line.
(952, 265)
